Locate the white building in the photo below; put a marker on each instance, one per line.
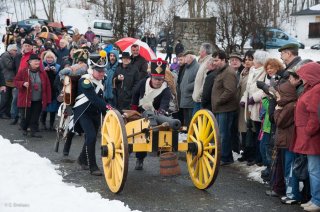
(308, 25)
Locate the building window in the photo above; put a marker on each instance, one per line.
(314, 30)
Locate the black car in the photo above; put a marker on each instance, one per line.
(28, 23)
(316, 46)
(163, 38)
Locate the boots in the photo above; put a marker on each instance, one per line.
(67, 144)
(15, 121)
(91, 158)
(139, 164)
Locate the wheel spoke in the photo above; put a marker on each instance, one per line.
(119, 151)
(200, 128)
(119, 160)
(200, 171)
(204, 125)
(196, 170)
(210, 157)
(195, 129)
(205, 143)
(207, 130)
(193, 161)
(193, 138)
(205, 171)
(209, 148)
(208, 166)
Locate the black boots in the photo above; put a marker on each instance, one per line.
(139, 164)
(15, 121)
(67, 145)
(87, 160)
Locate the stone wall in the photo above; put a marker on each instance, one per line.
(194, 31)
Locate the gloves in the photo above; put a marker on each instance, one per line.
(109, 107)
(251, 101)
(242, 104)
(134, 107)
(260, 84)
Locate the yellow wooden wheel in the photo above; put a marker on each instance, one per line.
(114, 151)
(203, 156)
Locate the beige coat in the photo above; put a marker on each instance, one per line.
(253, 91)
(200, 78)
(242, 126)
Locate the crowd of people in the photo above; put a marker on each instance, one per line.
(266, 109)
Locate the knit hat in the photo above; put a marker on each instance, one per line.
(236, 55)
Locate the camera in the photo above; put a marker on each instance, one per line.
(269, 89)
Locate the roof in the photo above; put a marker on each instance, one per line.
(314, 10)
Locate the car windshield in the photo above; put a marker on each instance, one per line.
(101, 25)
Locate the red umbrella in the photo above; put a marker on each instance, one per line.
(145, 51)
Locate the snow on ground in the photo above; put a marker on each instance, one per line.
(30, 183)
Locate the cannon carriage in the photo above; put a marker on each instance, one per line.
(153, 133)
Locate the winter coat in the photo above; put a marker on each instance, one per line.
(169, 49)
(8, 68)
(152, 42)
(142, 66)
(25, 94)
(179, 48)
(307, 140)
(224, 91)
(207, 89)
(187, 84)
(179, 79)
(110, 70)
(62, 56)
(124, 89)
(253, 91)
(284, 117)
(242, 85)
(199, 81)
(2, 80)
(23, 62)
(89, 35)
(291, 67)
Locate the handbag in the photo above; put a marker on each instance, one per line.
(300, 167)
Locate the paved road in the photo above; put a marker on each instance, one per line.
(147, 191)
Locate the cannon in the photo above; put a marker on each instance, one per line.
(154, 133)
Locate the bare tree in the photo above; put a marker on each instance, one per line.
(49, 8)
(33, 8)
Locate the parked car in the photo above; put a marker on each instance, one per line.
(274, 38)
(163, 37)
(102, 29)
(315, 46)
(28, 23)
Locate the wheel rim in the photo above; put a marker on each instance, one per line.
(203, 165)
(115, 164)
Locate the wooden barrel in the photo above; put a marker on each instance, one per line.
(169, 165)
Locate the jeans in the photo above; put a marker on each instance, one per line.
(265, 149)
(314, 175)
(225, 128)
(197, 106)
(292, 183)
(14, 107)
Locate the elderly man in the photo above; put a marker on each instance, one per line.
(235, 61)
(289, 55)
(8, 70)
(138, 61)
(187, 86)
(224, 103)
(205, 54)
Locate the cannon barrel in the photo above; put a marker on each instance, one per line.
(174, 124)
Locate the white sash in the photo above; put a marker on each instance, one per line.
(146, 102)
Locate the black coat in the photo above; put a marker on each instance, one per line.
(152, 42)
(95, 106)
(179, 48)
(124, 89)
(160, 103)
(141, 64)
(207, 89)
(2, 81)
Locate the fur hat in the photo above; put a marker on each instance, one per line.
(81, 55)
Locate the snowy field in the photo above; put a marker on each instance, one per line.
(30, 183)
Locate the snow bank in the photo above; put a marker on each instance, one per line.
(31, 183)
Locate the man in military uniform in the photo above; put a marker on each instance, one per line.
(152, 94)
(88, 108)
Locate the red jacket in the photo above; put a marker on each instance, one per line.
(23, 63)
(307, 125)
(24, 76)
